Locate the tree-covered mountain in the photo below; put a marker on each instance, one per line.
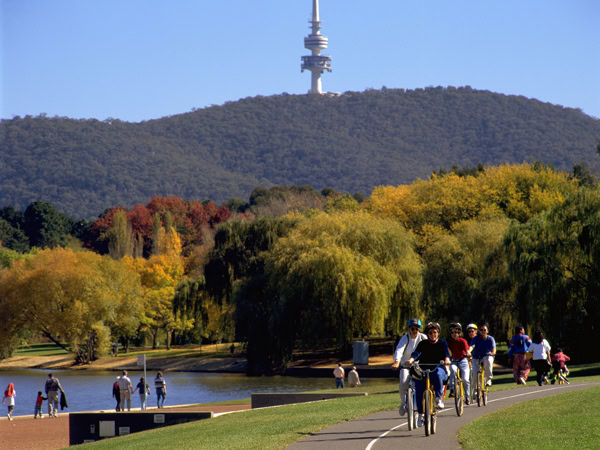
(351, 143)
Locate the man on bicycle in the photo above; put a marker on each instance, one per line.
(483, 349)
(407, 344)
(459, 349)
(471, 332)
(431, 351)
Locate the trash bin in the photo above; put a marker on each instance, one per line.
(360, 352)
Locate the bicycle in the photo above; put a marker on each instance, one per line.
(429, 406)
(481, 389)
(458, 392)
(411, 405)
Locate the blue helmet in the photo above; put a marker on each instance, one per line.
(414, 323)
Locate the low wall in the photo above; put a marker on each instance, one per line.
(88, 427)
(262, 400)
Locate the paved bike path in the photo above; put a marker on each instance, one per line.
(387, 430)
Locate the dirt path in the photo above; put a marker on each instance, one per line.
(387, 430)
(26, 433)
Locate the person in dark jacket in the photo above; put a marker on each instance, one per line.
(117, 395)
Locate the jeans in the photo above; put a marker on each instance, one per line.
(339, 383)
(143, 402)
(38, 411)
(463, 365)
(160, 397)
(437, 377)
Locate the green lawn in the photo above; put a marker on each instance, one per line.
(568, 420)
(47, 349)
(275, 428)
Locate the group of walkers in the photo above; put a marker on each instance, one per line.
(527, 353)
(467, 354)
(51, 388)
(123, 390)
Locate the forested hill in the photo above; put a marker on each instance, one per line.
(351, 143)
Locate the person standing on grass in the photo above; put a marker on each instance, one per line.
(52, 388)
(161, 390)
(9, 399)
(339, 374)
(517, 350)
(540, 359)
(353, 378)
(143, 397)
(125, 390)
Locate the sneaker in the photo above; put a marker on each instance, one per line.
(439, 403)
(488, 383)
(467, 401)
(545, 380)
(402, 411)
(522, 381)
(420, 421)
(451, 394)
(9, 417)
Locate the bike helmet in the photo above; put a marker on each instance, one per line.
(472, 325)
(431, 325)
(414, 323)
(415, 371)
(456, 325)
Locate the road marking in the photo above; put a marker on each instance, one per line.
(374, 441)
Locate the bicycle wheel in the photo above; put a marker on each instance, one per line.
(427, 408)
(479, 388)
(410, 409)
(458, 396)
(484, 394)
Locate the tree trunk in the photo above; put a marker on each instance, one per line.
(49, 336)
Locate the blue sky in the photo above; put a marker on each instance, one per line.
(144, 59)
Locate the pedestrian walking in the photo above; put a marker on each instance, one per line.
(125, 390)
(143, 397)
(161, 390)
(52, 388)
(9, 399)
(116, 393)
(39, 401)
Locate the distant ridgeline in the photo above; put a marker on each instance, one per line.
(350, 143)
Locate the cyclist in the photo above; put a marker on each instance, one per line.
(558, 363)
(407, 344)
(483, 348)
(471, 332)
(517, 348)
(459, 350)
(431, 351)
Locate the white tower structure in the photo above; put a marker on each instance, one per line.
(316, 62)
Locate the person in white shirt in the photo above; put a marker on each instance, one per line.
(540, 359)
(353, 378)
(407, 344)
(126, 390)
(339, 373)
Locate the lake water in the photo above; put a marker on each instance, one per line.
(87, 391)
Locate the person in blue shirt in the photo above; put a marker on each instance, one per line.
(517, 349)
(483, 349)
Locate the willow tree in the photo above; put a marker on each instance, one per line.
(555, 259)
(338, 277)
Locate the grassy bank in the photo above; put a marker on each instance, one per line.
(275, 428)
(568, 420)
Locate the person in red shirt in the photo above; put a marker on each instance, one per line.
(558, 362)
(459, 350)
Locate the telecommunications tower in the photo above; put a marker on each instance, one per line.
(315, 42)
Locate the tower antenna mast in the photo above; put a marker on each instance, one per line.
(315, 42)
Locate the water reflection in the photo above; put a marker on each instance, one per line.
(93, 390)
